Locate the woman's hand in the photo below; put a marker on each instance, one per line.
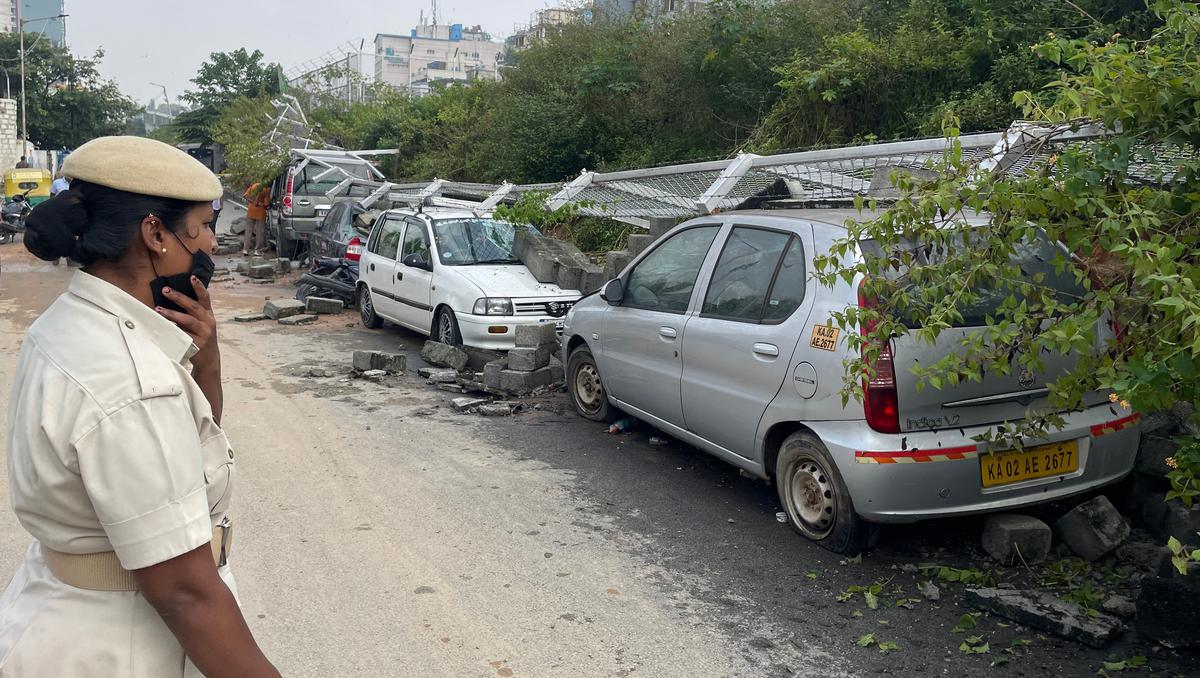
(198, 321)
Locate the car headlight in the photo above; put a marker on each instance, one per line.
(493, 306)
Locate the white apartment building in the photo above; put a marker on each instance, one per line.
(543, 24)
(436, 53)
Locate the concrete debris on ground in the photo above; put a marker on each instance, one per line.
(1146, 557)
(452, 387)
(1168, 608)
(1092, 529)
(282, 265)
(1048, 613)
(320, 373)
(444, 355)
(1119, 606)
(262, 272)
(1013, 539)
(500, 409)
(250, 318)
(324, 306)
(524, 383)
(930, 591)
(374, 375)
(303, 319)
(529, 359)
(557, 262)
(389, 363)
(477, 358)
(1167, 519)
(536, 336)
(438, 375)
(467, 404)
(278, 309)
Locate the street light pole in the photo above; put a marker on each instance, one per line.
(166, 96)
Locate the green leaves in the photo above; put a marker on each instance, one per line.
(965, 623)
(974, 645)
(870, 640)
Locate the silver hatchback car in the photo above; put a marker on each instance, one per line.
(719, 336)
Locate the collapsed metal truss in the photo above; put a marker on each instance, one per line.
(826, 176)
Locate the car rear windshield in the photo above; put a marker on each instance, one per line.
(1039, 260)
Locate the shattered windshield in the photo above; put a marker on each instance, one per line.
(463, 242)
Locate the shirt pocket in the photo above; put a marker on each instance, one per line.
(218, 472)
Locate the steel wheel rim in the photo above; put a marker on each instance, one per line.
(364, 303)
(445, 329)
(811, 497)
(589, 391)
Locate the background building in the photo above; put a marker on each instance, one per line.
(54, 30)
(543, 24)
(157, 115)
(436, 53)
(648, 7)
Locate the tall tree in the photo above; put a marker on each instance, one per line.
(224, 78)
(67, 101)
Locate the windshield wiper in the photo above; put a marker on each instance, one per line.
(496, 261)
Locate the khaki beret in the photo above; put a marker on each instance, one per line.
(143, 166)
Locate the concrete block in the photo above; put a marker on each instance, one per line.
(438, 375)
(533, 336)
(477, 358)
(660, 225)
(615, 263)
(542, 265)
(1092, 529)
(1153, 453)
(283, 265)
(292, 320)
(322, 305)
(278, 309)
(1145, 556)
(530, 359)
(570, 276)
(558, 374)
(1165, 519)
(250, 318)
(262, 272)
(638, 243)
(366, 361)
(491, 373)
(593, 279)
(393, 363)
(524, 382)
(465, 404)
(243, 267)
(496, 410)
(1012, 539)
(1168, 607)
(444, 355)
(1048, 613)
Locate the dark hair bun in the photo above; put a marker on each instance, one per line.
(52, 229)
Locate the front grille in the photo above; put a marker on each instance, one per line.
(555, 308)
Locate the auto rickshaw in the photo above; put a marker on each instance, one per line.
(31, 182)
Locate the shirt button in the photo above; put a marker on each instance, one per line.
(231, 454)
(129, 324)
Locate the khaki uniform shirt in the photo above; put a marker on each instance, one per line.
(111, 447)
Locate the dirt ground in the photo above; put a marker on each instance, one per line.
(381, 533)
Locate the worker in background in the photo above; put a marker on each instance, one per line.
(258, 199)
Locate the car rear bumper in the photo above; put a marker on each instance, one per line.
(298, 228)
(475, 329)
(914, 476)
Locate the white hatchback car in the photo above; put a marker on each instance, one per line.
(452, 275)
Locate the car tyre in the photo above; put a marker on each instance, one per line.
(304, 290)
(587, 389)
(815, 499)
(366, 310)
(445, 328)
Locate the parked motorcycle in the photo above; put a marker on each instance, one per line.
(332, 278)
(12, 218)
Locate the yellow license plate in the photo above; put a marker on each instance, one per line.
(1043, 461)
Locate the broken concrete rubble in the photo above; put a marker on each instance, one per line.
(1119, 606)
(324, 306)
(278, 309)
(250, 318)
(1168, 608)
(1048, 613)
(262, 272)
(293, 320)
(466, 404)
(1167, 519)
(365, 361)
(1092, 529)
(282, 265)
(444, 355)
(523, 383)
(536, 336)
(491, 373)
(1013, 539)
(930, 591)
(437, 375)
(530, 359)
(477, 358)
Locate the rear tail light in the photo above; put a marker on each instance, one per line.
(354, 249)
(881, 402)
(287, 197)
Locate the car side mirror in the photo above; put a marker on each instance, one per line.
(613, 292)
(417, 261)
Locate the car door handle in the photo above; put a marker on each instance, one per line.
(668, 332)
(303, 202)
(399, 275)
(372, 267)
(769, 350)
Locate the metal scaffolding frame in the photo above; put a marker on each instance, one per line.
(825, 176)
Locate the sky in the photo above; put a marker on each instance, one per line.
(165, 41)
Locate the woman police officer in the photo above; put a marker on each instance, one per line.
(117, 463)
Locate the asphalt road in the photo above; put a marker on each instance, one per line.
(382, 534)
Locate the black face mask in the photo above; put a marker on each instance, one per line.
(202, 267)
